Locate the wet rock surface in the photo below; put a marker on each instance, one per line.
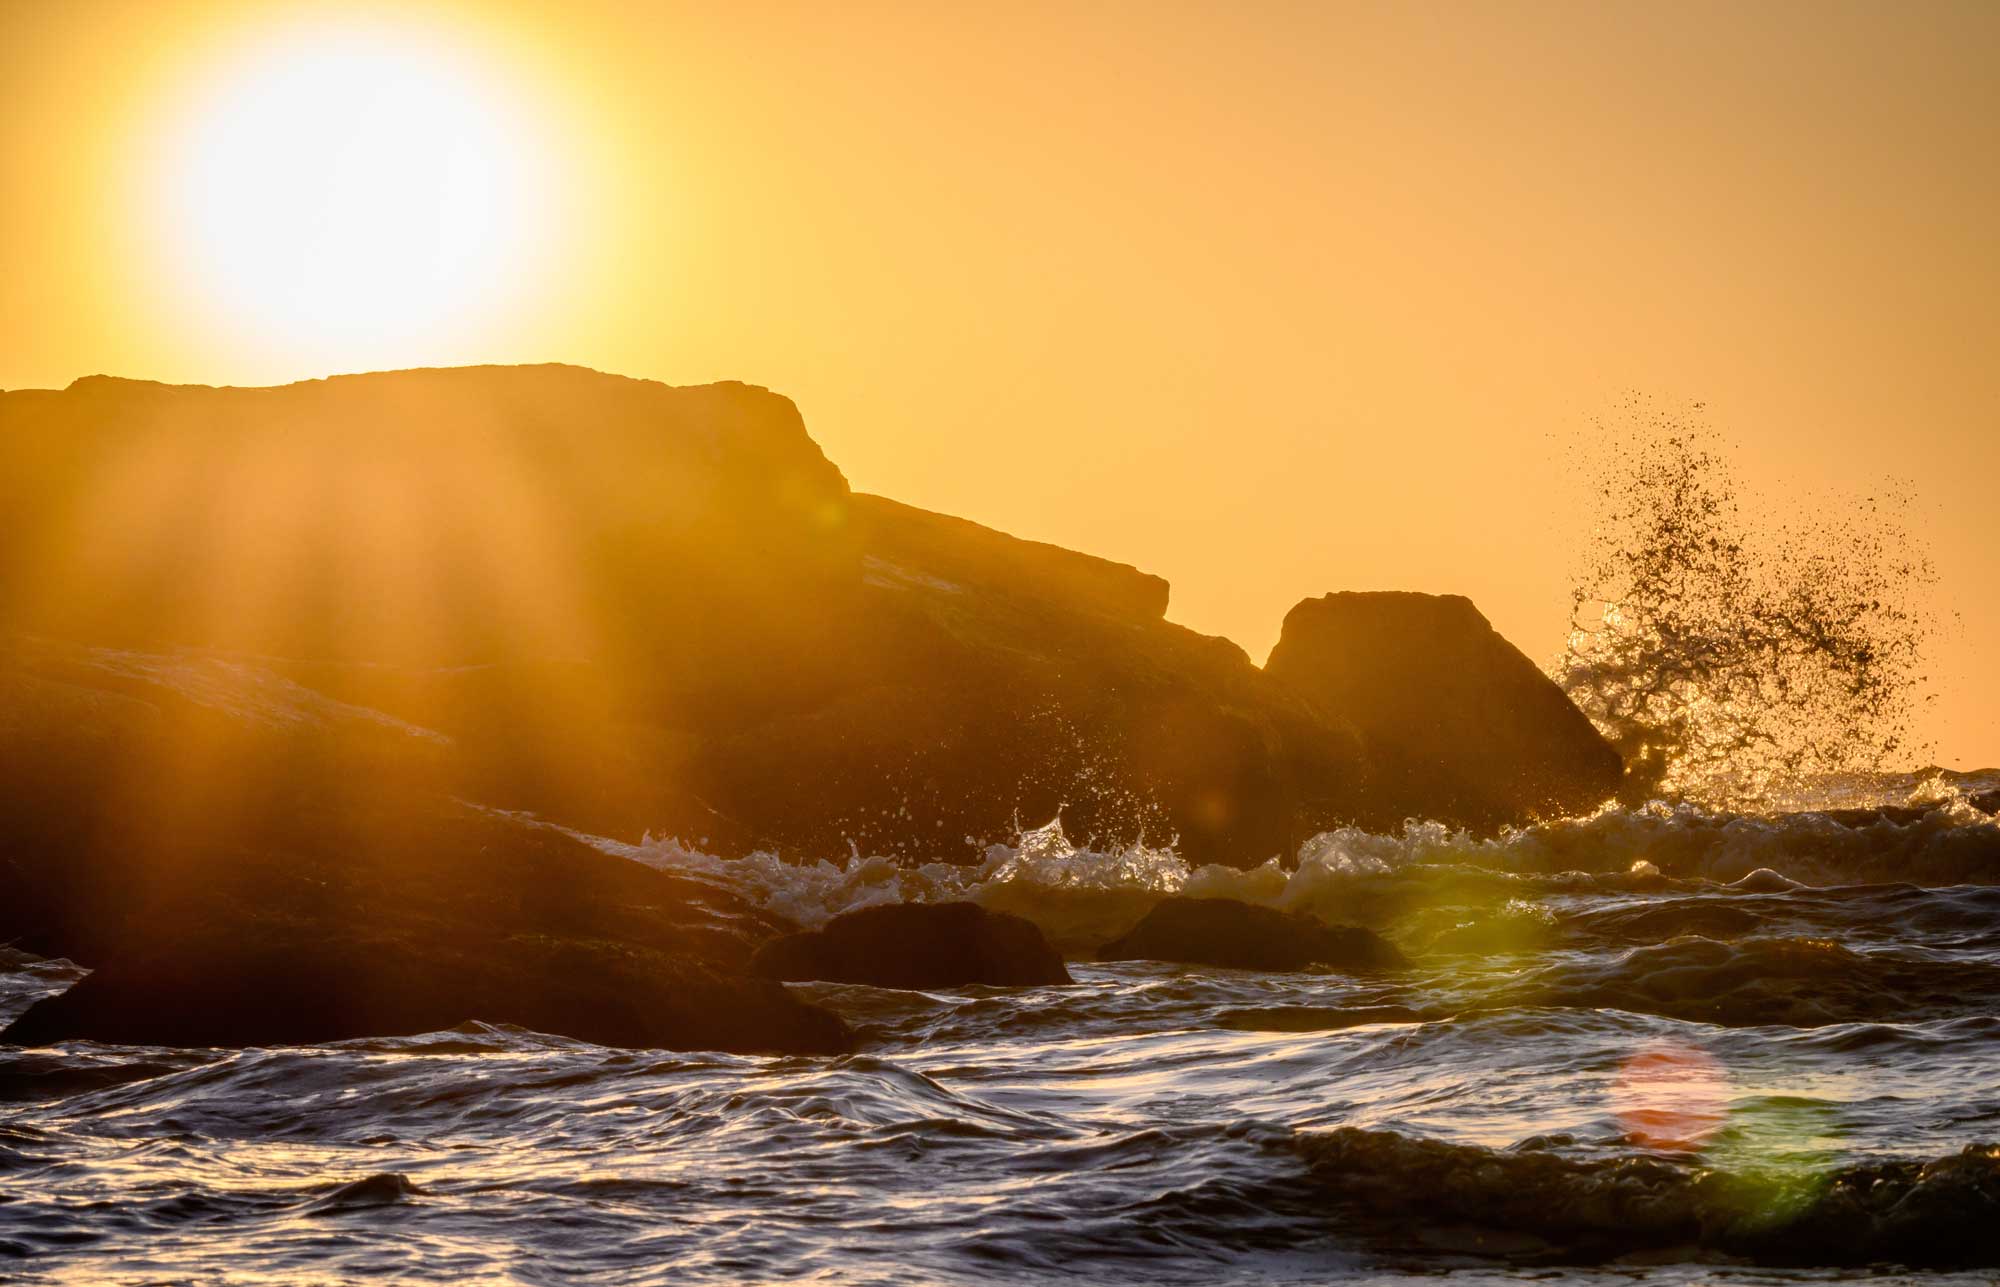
(1242, 936)
(255, 988)
(290, 916)
(917, 945)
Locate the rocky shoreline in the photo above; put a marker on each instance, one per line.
(265, 762)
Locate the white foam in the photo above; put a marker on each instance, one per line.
(1082, 896)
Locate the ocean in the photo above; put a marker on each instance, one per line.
(1666, 1044)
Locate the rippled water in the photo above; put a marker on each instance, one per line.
(1592, 1073)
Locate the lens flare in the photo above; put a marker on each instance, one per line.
(1671, 1097)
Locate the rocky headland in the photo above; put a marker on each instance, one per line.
(300, 688)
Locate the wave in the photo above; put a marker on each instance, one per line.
(1754, 982)
(1535, 1204)
(385, 1188)
(1084, 896)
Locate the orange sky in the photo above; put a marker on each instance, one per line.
(1270, 299)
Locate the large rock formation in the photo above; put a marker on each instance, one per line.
(414, 517)
(244, 631)
(916, 945)
(1483, 735)
(628, 606)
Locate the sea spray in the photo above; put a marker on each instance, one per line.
(1735, 659)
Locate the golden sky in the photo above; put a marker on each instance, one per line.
(1271, 299)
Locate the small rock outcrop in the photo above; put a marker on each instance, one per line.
(1441, 700)
(247, 987)
(1242, 936)
(917, 945)
(339, 893)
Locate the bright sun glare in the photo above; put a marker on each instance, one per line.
(354, 193)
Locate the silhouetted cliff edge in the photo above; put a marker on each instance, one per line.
(229, 614)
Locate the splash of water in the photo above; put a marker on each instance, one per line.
(1734, 659)
(1083, 896)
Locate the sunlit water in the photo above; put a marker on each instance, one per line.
(1149, 1123)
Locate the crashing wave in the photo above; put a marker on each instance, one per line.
(1082, 896)
(1737, 651)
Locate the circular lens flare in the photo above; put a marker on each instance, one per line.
(1672, 1098)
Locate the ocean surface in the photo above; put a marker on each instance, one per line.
(1661, 1045)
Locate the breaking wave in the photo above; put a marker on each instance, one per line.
(1083, 897)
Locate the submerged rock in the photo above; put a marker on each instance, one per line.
(1479, 732)
(917, 945)
(1243, 936)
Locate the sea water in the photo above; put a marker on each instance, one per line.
(1660, 1045)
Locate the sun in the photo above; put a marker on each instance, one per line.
(362, 195)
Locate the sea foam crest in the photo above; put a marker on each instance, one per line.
(1082, 896)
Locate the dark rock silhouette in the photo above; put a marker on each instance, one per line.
(249, 985)
(628, 606)
(431, 517)
(917, 945)
(1242, 936)
(986, 681)
(267, 654)
(271, 870)
(1433, 688)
